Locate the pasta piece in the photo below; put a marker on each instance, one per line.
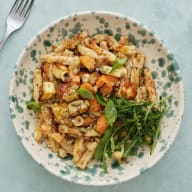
(78, 107)
(105, 69)
(72, 62)
(109, 56)
(120, 72)
(103, 45)
(91, 133)
(141, 94)
(126, 49)
(47, 72)
(61, 72)
(135, 75)
(150, 85)
(78, 121)
(62, 153)
(46, 116)
(71, 43)
(56, 136)
(139, 60)
(87, 52)
(71, 131)
(87, 156)
(103, 37)
(92, 45)
(137, 67)
(38, 133)
(51, 143)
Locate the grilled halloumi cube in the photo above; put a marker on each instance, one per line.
(48, 90)
(60, 112)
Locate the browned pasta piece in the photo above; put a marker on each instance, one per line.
(150, 85)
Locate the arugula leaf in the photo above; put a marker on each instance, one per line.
(104, 165)
(102, 143)
(126, 153)
(110, 112)
(112, 144)
(118, 63)
(85, 93)
(33, 105)
(100, 99)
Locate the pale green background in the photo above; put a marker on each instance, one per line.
(172, 21)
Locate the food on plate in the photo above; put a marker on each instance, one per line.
(95, 98)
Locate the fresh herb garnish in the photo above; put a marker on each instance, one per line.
(33, 105)
(110, 112)
(85, 93)
(132, 124)
(118, 63)
(100, 99)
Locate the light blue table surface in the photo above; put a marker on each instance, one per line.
(172, 21)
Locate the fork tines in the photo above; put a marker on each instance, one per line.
(21, 7)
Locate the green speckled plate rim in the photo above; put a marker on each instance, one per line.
(164, 46)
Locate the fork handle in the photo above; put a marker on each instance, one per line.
(7, 33)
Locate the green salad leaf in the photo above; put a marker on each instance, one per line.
(110, 112)
(132, 124)
(118, 63)
(33, 105)
(85, 93)
(100, 99)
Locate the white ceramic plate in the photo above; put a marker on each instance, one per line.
(164, 70)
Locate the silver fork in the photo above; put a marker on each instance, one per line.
(16, 18)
